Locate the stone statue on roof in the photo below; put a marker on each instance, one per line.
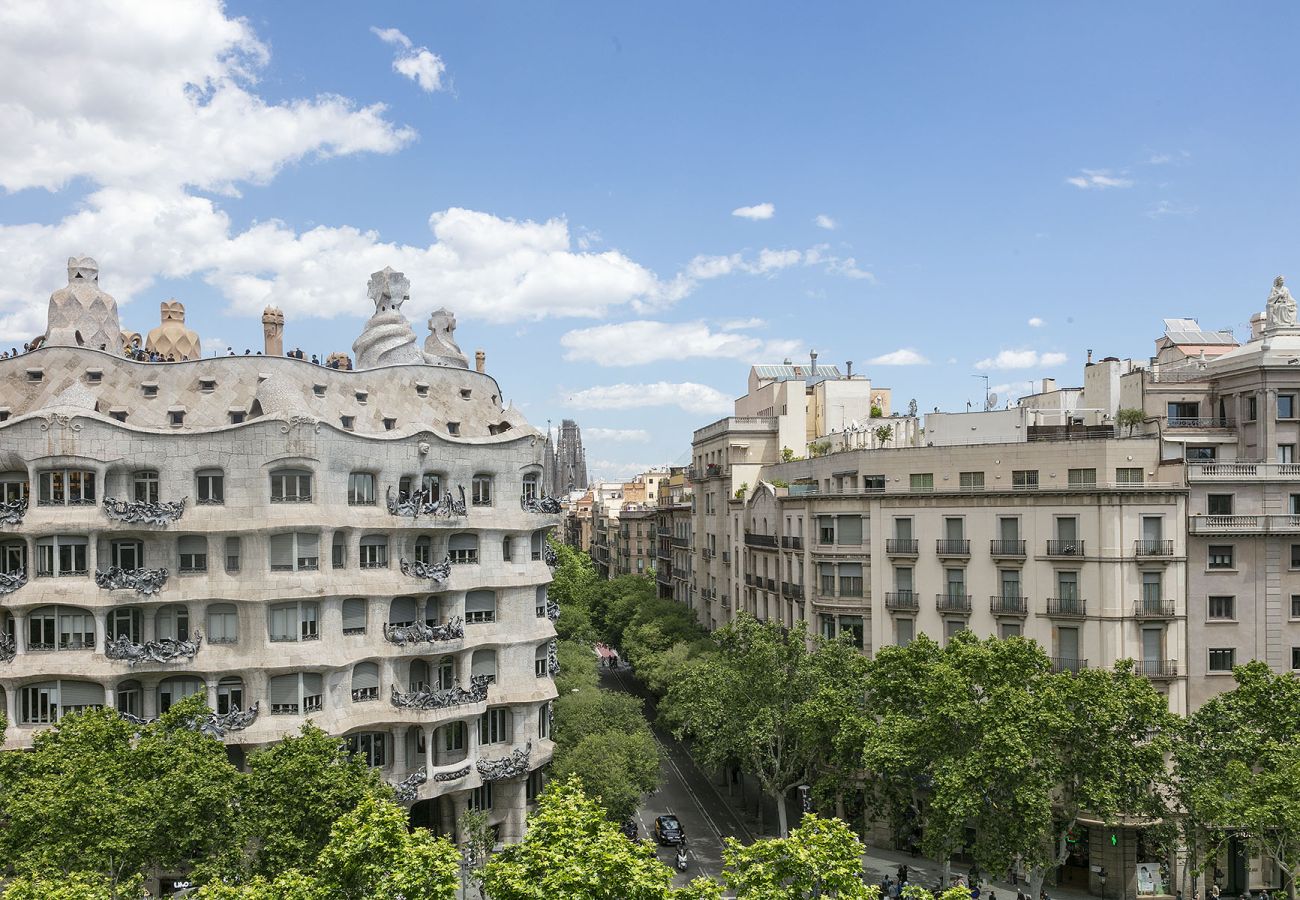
(1281, 306)
(81, 315)
(440, 348)
(387, 338)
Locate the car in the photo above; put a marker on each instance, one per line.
(669, 831)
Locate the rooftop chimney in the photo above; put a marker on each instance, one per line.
(813, 355)
(480, 360)
(849, 365)
(1089, 356)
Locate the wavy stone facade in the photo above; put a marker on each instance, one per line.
(240, 526)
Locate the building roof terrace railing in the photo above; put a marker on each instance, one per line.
(736, 423)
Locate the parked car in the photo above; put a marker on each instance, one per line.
(669, 831)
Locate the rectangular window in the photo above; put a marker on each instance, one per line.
(128, 554)
(361, 489)
(1196, 453)
(972, 481)
(481, 494)
(873, 483)
(1067, 589)
(505, 549)
(852, 627)
(1222, 608)
(193, 552)
(1129, 475)
(826, 573)
(850, 579)
(921, 481)
(1220, 556)
(494, 726)
(211, 488)
(145, 487)
(1286, 453)
(1295, 556)
(1286, 406)
(373, 553)
(849, 529)
(827, 629)
(1295, 606)
(291, 486)
(1252, 409)
(60, 555)
(1295, 657)
(1078, 478)
(69, 487)
(223, 624)
(480, 798)
(1218, 504)
(295, 551)
(1024, 479)
(1222, 659)
(904, 631)
(1008, 630)
(825, 529)
(232, 554)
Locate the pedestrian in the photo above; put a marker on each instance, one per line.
(230, 351)
(1020, 894)
(902, 872)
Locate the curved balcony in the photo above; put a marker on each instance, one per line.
(144, 512)
(143, 581)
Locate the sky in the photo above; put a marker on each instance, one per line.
(626, 205)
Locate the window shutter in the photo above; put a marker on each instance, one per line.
(193, 543)
(283, 689)
(81, 693)
(354, 613)
(850, 529)
(308, 543)
(312, 684)
(365, 675)
(850, 570)
(480, 602)
(485, 663)
(464, 541)
(281, 551)
(402, 610)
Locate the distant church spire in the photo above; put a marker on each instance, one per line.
(569, 469)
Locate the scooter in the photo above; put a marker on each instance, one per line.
(681, 856)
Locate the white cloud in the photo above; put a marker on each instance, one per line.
(689, 396)
(1164, 208)
(743, 324)
(1022, 359)
(1036, 322)
(904, 356)
(641, 342)
(613, 470)
(617, 435)
(756, 212)
(419, 64)
(1162, 159)
(1099, 179)
(768, 261)
(825, 221)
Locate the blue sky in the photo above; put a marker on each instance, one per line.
(965, 188)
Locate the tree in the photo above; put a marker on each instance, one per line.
(112, 800)
(297, 788)
(1237, 764)
(73, 886)
(787, 455)
(748, 704)
(480, 838)
(373, 855)
(1129, 418)
(820, 858)
(876, 411)
(572, 851)
(883, 433)
(836, 720)
(616, 768)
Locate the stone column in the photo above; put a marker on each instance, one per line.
(212, 693)
(20, 633)
(1266, 409)
(429, 732)
(464, 667)
(11, 705)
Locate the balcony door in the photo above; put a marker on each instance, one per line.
(1152, 647)
(1067, 647)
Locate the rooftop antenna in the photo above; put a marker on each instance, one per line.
(991, 403)
(986, 390)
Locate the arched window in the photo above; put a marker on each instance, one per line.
(223, 623)
(446, 673)
(484, 663)
(60, 628)
(419, 680)
(354, 616)
(175, 689)
(294, 551)
(372, 746)
(480, 606)
(291, 486)
(402, 611)
(230, 694)
(193, 549)
(365, 682)
(464, 548)
(374, 551)
(424, 549)
(530, 491)
(173, 623)
(128, 696)
(48, 701)
(540, 658)
(295, 693)
(125, 621)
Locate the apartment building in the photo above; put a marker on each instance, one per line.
(673, 569)
(364, 548)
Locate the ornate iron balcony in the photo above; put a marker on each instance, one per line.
(423, 633)
(12, 581)
(1153, 609)
(952, 602)
(361, 695)
(1065, 548)
(1006, 548)
(435, 572)
(167, 650)
(901, 600)
(952, 548)
(441, 698)
(423, 503)
(8, 648)
(545, 505)
(143, 581)
(552, 610)
(406, 790)
(1067, 608)
(145, 512)
(12, 511)
(513, 766)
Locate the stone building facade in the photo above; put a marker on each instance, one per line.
(362, 549)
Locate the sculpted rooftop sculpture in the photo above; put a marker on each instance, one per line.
(1281, 306)
(172, 338)
(439, 347)
(387, 338)
(81, 315)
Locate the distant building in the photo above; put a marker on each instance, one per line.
(568, 470)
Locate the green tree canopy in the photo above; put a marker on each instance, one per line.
(820, 858)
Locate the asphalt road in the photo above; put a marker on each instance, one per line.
(686, 792)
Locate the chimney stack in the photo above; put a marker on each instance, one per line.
(849, 365)
(1089, 356)
(813, 355)
(273, 329)
(480, 360)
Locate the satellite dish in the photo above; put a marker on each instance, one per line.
(993, 402)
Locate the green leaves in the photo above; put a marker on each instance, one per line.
(821, 857)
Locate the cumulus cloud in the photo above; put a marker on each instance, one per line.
(904, 356)
(768, 261)
(743, 324)
(419, 64)
(689, 396)
(1099, 179)
(756, 212)
(1022, 359)
(617, 435)
(825, 221)
(640, 342)
(1036, 322)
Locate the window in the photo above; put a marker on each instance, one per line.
(851, 626)
(1252, 409)
(361, 489)
(194, 552)
(904, 631)
(223, 624)
(541, 601)
(530, 491)
(538, 542)
(424, 549)
(826, 576)
(463, 548)
(1295, 606)
(365, 682)
(174, 690)
(1222, 607)
(453, 428)
(505, 548)
(1218, 504)
(544, 721)
(354, 616)
(370, 746)
(956, 581)
(211, 486)
(484, 663)
(1220, 556)
(237, 416)
(294, 551)
(13, 486)
(1082, 477)
(176, 417)
(70, 487)
(1067, 590)
(46, 703)
(125, 623)
(232, 554)
(389, 424)
(494, 726)
(149, 390)
(480, 799)
(295, 621)
(13, 557)
(402, 611)
(128, 697)
(923, 481)
(971, 481)
(827, 629)
(61, 555)
(873, 483)
(1295, 657)
(480, 607)
(1008, 630)
(127, 554)
(540, 659)
(1222, 659)
(1295, 556)
(1129, 476)
(173, 623)
(849, 529)
(1152, 592)
(291, 486)
(825, 529)
(144, 486)
(850, 579)
(374, 551)
(230, 695)
(1286, 453)
(348, 423)
(339, 550)
(481, 490)
(1286, 406)
(1026, 479)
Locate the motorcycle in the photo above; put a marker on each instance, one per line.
(681, 856)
